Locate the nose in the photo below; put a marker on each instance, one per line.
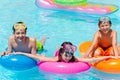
(105, 27)
(20, 35)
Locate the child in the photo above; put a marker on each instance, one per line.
(105, 40)
(19, 42)
(66, 54)
(57, 52)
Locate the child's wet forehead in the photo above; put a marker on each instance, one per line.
(105, 23)
(20, 30)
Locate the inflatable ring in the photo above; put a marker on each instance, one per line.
(71, 2)
(56, 53)
(83, 47)
(17, 62)
(108, 66)
(64, 68)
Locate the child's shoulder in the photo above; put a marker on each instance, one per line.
(113, 31)
(31, 39)
(12, 37)
(97, 33)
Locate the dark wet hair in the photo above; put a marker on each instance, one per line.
(66, 43)
(13, 28)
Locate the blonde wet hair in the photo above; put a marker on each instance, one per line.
(15, 26)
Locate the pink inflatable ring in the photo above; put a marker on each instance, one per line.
(64, 68)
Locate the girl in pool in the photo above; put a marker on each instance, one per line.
(66, 54)
(19, 42)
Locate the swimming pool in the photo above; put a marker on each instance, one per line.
(59, 26)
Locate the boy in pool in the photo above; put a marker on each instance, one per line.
(19, 42)
(105, 40)
(66, 54)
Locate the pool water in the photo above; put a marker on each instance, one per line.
(59, 26)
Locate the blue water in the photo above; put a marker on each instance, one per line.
(59, 26)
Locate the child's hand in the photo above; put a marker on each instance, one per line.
(4, 53)
(43, 54)
(116, 57)
(85, 55)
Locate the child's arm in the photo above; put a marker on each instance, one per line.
(9, 49)
(114, 43)
(93, 59)
(10, 44)
(39, 57)
(33, 42)
(93, 45)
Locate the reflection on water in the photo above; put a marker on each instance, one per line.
(74, 16)
(105, 76)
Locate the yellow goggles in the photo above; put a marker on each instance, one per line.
(18, 26)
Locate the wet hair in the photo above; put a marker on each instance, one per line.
(66, 43)
(62, 50)
(13, 28)
(104, 19)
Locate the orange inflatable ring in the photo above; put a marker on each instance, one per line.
(107, 65)
(84, 47)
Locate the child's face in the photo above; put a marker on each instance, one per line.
(105, 27)
(20, 34)
(66, 57)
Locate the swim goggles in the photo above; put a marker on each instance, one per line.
(69, 48)
(17, 26)
(68, 53)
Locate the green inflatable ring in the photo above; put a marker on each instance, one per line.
(70, 2)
